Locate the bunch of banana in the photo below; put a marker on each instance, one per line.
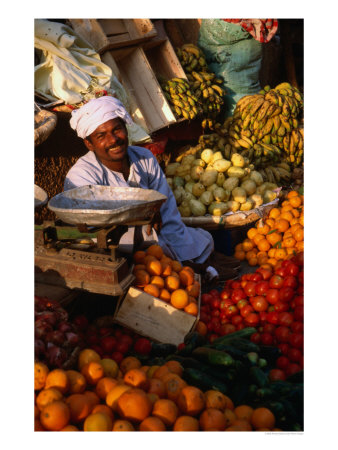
(262, 155)
(181, 98)
(191, 58)
(270, 117)
(279, 174)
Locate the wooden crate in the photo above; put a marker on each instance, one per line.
(154, 318)
(164, 61)
(105, 34)
(60, 294)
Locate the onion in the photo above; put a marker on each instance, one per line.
(65, 326)
(41, 329)
(39, 349)
(72, 339)
(56, 337)
(48, 316)
(56, 356)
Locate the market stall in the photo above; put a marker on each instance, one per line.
(128, 338)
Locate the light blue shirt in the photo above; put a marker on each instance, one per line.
(184, 243)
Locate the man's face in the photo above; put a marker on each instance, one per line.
(109, 141)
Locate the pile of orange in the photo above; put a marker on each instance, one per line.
(276, 238)
(138, 398)
(166, 279)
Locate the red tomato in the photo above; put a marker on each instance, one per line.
(98, 349)
(214, 293)
(210, 326)
(276, 375)
(117, 356)
(204, 317)
(282, 362)
(266, 274)
(143, 346)
(244, 283)
(259, 303)
(299, 300)
(118, 333)
(105, 331)
(256, 277)
(240, 326)
(237, 295)
(294, 354)
(285, 318)
(297, 340)
(298, 313)
(215, 313)
(215, 322)
(108, 343)
(292, 269)
(281, 307)
(235, 285)
(263, 316)
(212, 337)
(271, 308)
(122, 347)
(262, 288)
(283, 347)
(235, 320)
(127, 339)
(232, 311)
(293, 368)
(227, 329)
(206, 298)
(272, 317)
(255, 338)
(290, 281)
(297, 327)
(267, 339)
(215, 303)
(272, 296)
(242, 303)
(268, 328)
(250, 289)
(276, 282)
(223, 316)
(92, 339)
(282, 334)
(286, 294)
(181, 346)
(225, 294)
(81, 322)
(252, 319)
(281, 271)
(248, 309)
(225, 303)
(301, 278)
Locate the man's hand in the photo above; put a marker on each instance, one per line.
(156, 223)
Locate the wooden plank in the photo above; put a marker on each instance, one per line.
(58, 293)
(91, 31)
(164, 61)
(113, 26)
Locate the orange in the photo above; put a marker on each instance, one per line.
(152, 290)
(273, 238)
(291, 250)
(104, 386)
(110, 367)
(242, 425)
(98, 422)
(271, 223)
(166, 269)
(295, 212)
(93, 398)
(154, 267)
(172, 283)
(152, 397)
(263, 229)
(70, 428)
(136, 378)
(58, 379)
(272, 252)
(274, 213)
(263, 245)
(166, 410)
(282, 225)
(40, 374)
(93, 372)
(229, 404)
(215, 399)
(252, 232)
(157, 386)
(291, 194)
(301, 219)
(130, 362)
(145, 368)
(243, 412)
(138, 267)
(261, 255)
(123, 425)
(174, 367)
(87, 355)
(300, 246)
(55, 416)
(253, 261)
(164, 295)
(194, 289)
(155, 250)
(289, 242)
(176, 266)
(295, 227)
(247, 245)
(173, 387)
(240, 255)
(212, 419)
(280, 254)
(157, 281)
(46, 396)
(160, 372)
(299, 234)
(186, 277)
(141, 278)
(149, 258)
(103, 409)
(179, 298)
(257, 238)
(77, 382)
(271, 262)
(139, 256)
(134, 405)
(38, 425)
(79, 407)
(267, 266)
(229, 416)
(295, 201)
(114, 394)
(287, 215)
(192, 308)
(262, 418)
(186, 423)
(251, 254)
(152, 423)
(191, 400)
(201, 328)
(239, 247)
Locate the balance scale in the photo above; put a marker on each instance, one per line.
(66, 253)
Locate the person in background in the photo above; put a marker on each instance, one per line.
(110, 161)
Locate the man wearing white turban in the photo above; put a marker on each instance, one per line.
(111, 162)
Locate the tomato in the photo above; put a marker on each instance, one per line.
(268, 328)
(81, 322)
(263, 316)
(281, 271)
(117, 356)
(292, 269)
(272, 296)
(204, 317)
(282, 362)
(297, 327)
(252, 319)
(266, 274)
(297, 340)
(118, 333)
(283, 347)
(256, 277)
(108, 343)
(271, 308)
(259, 303)
(244, 283)
(232, 311)
(267, 339)
(262, 288)
(214, 293)
(235, 284)
(215, 322)
(181, 346)
(301, 278)
(294, 354)
(105, 331)
(127, 339)
(281, 307)
(213, 337)
(299, 300)
(237, 319)
(298, 313)
(292, 369)
(286, 294)
(223, 316)
(225, 294)
(242, 303)
(227, 329)
(210, 326)
(98, 349)
(225, 303)
(237, 295)
(206, 298)
(282, 334)
(285, 318)
(122, 347)
(290, 281)
(215, 303)
(248, 309)
(244, 277)
(277, 375)
(92, 339)
(143, 346)
(240, 326)
(215, 313)
(255, 338)
(272, 317)
(250, 289)
(276, 282)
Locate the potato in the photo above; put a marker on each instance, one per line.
(249, 186)
(178, 194)
(220, 179)
(188, 159)
(170, 182)
(198, 189)
(218, 208)
(188, 186)
(198, 162)
(239, 195)
(178, 181)
(171, 169)
(206, 155)
(247, 206)
(184, 209)
(221, 195)
(183, 170)
(196, 172)
(231, 183)
(212, 187)
(209, 177)
(256, 177)
(233, 205)
(197, 208)
(216, 156)
(237, 160)
(257, 199)
(206, 198)
(221, 165)
(269, 196)
(234, 171)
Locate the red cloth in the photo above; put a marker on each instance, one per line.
(157, 146)
(262, 30)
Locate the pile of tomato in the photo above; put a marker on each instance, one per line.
(272, 301)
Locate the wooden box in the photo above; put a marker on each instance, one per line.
(155, 318)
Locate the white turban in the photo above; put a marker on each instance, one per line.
(86, 119)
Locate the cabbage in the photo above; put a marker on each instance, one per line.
(206, 155)
(198, 189)
(197, 208)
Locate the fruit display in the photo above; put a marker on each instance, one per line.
(205, 182)
(277, 237)
(272, 117)
(166, 279)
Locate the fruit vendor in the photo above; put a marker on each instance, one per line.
(110, 161)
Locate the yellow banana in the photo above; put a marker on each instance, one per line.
(263, 109)
(283, 86)
(244, 143)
